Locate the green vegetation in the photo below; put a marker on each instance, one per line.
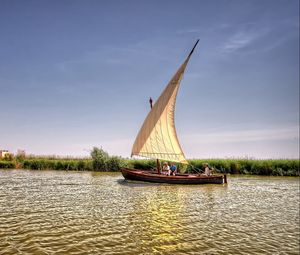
(57, 164)
(276, 167)
(7, 164)
(101, 161)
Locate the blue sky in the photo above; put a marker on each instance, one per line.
(78, 74)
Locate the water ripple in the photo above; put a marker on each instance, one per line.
(49, 212)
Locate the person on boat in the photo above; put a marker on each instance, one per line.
(166, 168)
(207, 169)
(173, 169)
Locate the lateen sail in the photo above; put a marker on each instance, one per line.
(157, 137)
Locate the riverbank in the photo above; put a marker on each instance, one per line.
(275, 167)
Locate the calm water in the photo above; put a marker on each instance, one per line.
(56, 212)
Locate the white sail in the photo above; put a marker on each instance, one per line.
(157, 137)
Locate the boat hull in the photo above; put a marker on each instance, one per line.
(147, 176)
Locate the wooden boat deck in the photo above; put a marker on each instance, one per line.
(149, 176)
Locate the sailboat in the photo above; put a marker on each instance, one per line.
(157, 139)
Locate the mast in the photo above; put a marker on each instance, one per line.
(193, 49)
(157, 160)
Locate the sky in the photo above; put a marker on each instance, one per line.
(77, 74)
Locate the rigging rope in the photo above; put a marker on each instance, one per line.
(199, 171)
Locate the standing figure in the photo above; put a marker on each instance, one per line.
(151, 101)
(207, 170)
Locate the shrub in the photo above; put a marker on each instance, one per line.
(7, 164)
(99, 157)
(114, 164)
(277, 172)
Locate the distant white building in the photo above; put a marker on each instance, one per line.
(4, 153)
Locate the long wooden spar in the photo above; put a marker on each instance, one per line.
(157, 160)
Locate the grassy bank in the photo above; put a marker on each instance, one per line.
(100, 160)
(275, 167)
(233, 166)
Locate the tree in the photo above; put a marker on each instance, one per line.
(100, 159)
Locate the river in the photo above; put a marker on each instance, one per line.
(58, 212)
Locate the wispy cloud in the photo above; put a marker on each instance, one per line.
(278, 134)
(270, 35)
(107, 55)
(238, 41)
(241, 40)
(257, 143)
(188, 31)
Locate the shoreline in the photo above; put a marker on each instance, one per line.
(266, 167)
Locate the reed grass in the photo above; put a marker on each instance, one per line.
(276, 167)
(101, 161)
(4, 164)
(58, 164)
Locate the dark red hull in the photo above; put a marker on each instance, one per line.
(147, 176)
